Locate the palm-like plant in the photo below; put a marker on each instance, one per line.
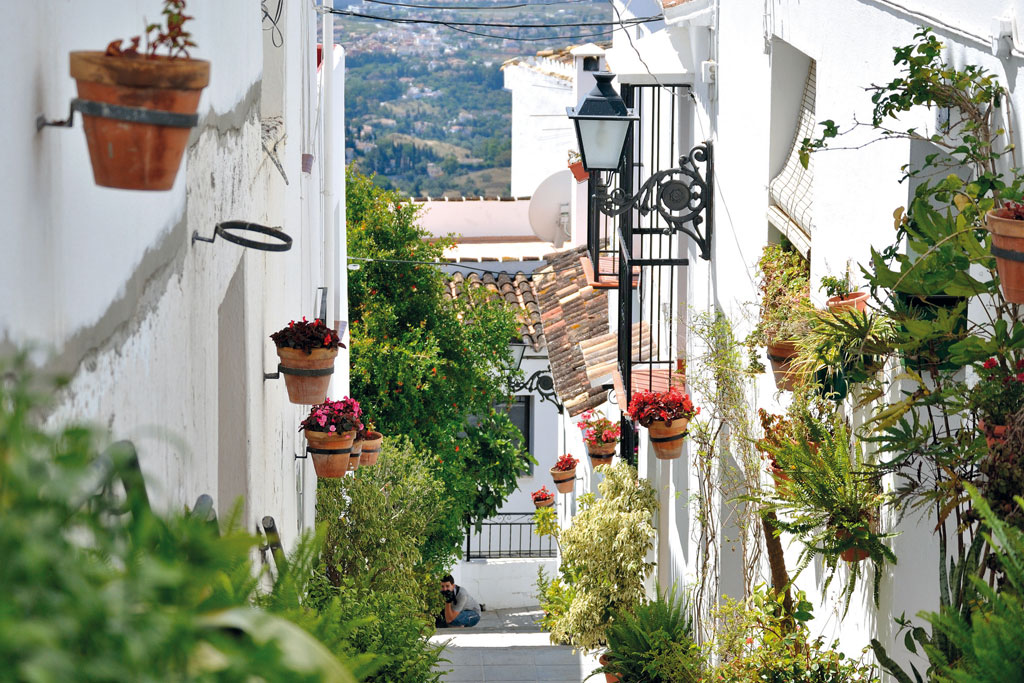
(843, 346)
(832, 500)
(654, 644)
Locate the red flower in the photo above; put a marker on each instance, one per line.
(990, 363)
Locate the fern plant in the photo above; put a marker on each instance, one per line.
(832, 500)
(651, 643)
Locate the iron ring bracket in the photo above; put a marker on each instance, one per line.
(328, 451)
(118, 112)
(227, 231)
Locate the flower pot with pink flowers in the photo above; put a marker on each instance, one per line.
(542, 498)
(666, 415)
(307, 351)
(371, 444)
(600, 436)
(331, 428)
(998, 394)
(564, 473)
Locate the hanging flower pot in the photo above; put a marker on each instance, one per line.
(854, 300)
(666, 416)
(1007, 228)
(600, 436)
(853, 554)
(307, 351)
(781, 356)
(371, 448)
(138, 109)
(331, 429)
(564, 473)
(542, 498)
(331, 452)
(997, 396)
(994, 434)
(931, 355)
(576, 166)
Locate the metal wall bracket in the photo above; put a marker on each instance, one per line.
(227, 231)
(105, 110)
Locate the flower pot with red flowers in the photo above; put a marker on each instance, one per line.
(666, 415)
(997, 395)
(576, 166)
(839, 295)
(564, 473)
(371, 445)
(1007, 228)
(307, 351)
(331, 429)
(138, 106)
(542, 498)
(600, 436)
(785, 311)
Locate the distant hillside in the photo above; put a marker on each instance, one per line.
(426, 108)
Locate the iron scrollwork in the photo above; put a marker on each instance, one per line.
(540, 383)
(681, 196)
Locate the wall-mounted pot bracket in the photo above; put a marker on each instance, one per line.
(302, 372)
(227, 231)
(154, 117)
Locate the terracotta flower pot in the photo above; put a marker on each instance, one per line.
(781, 356)
(565, 480)
(578, 173)
(127, 154)
(609, 678)
(545, 502)
(851, 554)
(667, 438)
(602, 454)
(333, 464)
(307, 375)
(371, 448)
(856, 300)
(994, 434)
(353, 460)
(1008, 248)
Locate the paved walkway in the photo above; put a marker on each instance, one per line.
(508, 646)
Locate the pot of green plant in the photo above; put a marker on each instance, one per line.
(138, 107)
(666, 416)
(564, 473)
(840, 295)
(1007, 228)
(307, 351)
(576, 166)
(833, 503)
(331, 428)
(543, 498)
(785, 310)
(996, 396)
(600, 436)
(371, 445)
(608, 677)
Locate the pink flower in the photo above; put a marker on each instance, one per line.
(333, 428)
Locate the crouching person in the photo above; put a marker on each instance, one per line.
(460, 608)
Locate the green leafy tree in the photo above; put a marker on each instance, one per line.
(423, 364)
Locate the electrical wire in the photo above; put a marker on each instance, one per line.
(530, 40)
(480, 8)
(457, 265)
(488, 24)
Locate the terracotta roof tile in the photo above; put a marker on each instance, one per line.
(517, 291)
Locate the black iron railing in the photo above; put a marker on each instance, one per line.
(508, 535)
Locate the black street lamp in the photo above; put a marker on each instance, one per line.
(602, 123)
(681, 196)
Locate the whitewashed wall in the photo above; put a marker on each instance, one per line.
(166, 342)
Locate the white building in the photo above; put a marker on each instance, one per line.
(165, 339)
(752, 81)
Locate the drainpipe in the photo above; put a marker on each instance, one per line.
(335, 250)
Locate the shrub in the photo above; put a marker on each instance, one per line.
(604, 553)
(784, 285)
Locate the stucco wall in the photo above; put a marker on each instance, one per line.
(155, 331)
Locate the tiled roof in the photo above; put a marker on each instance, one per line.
(516, 290)
(572, 312)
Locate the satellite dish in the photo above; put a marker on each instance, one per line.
(549, 208)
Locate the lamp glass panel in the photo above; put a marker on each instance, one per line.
(602, 141)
